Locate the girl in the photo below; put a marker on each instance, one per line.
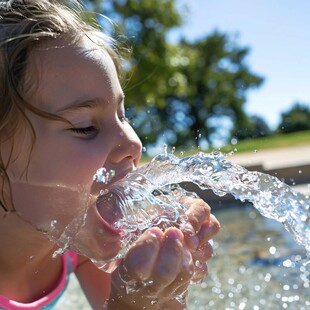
(62, 117)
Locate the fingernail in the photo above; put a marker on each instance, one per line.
(155, 232)
(188, 228)
(174, 234)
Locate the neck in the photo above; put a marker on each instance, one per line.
(25, 259)
(20, 240)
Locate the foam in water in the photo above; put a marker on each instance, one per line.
(148, 196)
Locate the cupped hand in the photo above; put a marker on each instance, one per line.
(156, 269)
(200, 228)
(160, 265)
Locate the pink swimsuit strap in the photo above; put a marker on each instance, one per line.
(69, 263)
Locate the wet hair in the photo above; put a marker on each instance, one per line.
(25, 24)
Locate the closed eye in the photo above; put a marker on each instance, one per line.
(85, 131)
(124, 119)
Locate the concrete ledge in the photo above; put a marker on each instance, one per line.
(290, 165)
(274, 159)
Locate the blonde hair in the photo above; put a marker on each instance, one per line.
(23, 25)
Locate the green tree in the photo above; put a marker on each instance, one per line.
(256, 127)
(297, 118)
(210, 82)
(180, 90)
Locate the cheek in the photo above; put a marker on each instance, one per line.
(65, 164)
(47, 207)
(15, 154)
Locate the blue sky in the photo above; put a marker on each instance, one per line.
(278, 35)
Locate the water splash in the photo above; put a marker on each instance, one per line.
(148, 196)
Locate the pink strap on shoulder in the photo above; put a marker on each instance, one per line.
(74, 259)
(38, 304)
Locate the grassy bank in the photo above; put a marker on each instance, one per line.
(276, 141)
(250, 145)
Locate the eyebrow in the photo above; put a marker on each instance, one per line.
(89, 104)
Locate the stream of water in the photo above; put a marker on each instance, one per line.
(148, 196)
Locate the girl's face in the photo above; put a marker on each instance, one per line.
(52, 183)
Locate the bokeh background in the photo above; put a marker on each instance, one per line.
(204, 73)
(228, 75)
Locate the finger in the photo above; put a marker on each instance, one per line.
(141, 257)
(197, 214)
(184, 276)
(208, 230)
(203, 253)
(169, 260)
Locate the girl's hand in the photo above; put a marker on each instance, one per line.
(159, 267)
(201, 227)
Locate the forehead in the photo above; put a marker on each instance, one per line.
(59, 73)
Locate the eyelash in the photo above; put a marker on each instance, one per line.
(124, 119)
(84, 131)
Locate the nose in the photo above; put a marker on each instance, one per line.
(126, 146)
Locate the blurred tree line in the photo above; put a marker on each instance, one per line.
(183, 93)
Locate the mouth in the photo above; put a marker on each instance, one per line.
(109, 211)
(108, 205)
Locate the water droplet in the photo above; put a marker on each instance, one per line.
(287, 263)
(154, 302)
(53, 224)
(59, 252)
(165, 149)
(272, 250)
(198, 264)
(234, 141)
(104, 192)
(303, 217)
(103, 176)
(182, 297)
(267, 277)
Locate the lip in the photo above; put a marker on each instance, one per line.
(107, 209)
(114, 232)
